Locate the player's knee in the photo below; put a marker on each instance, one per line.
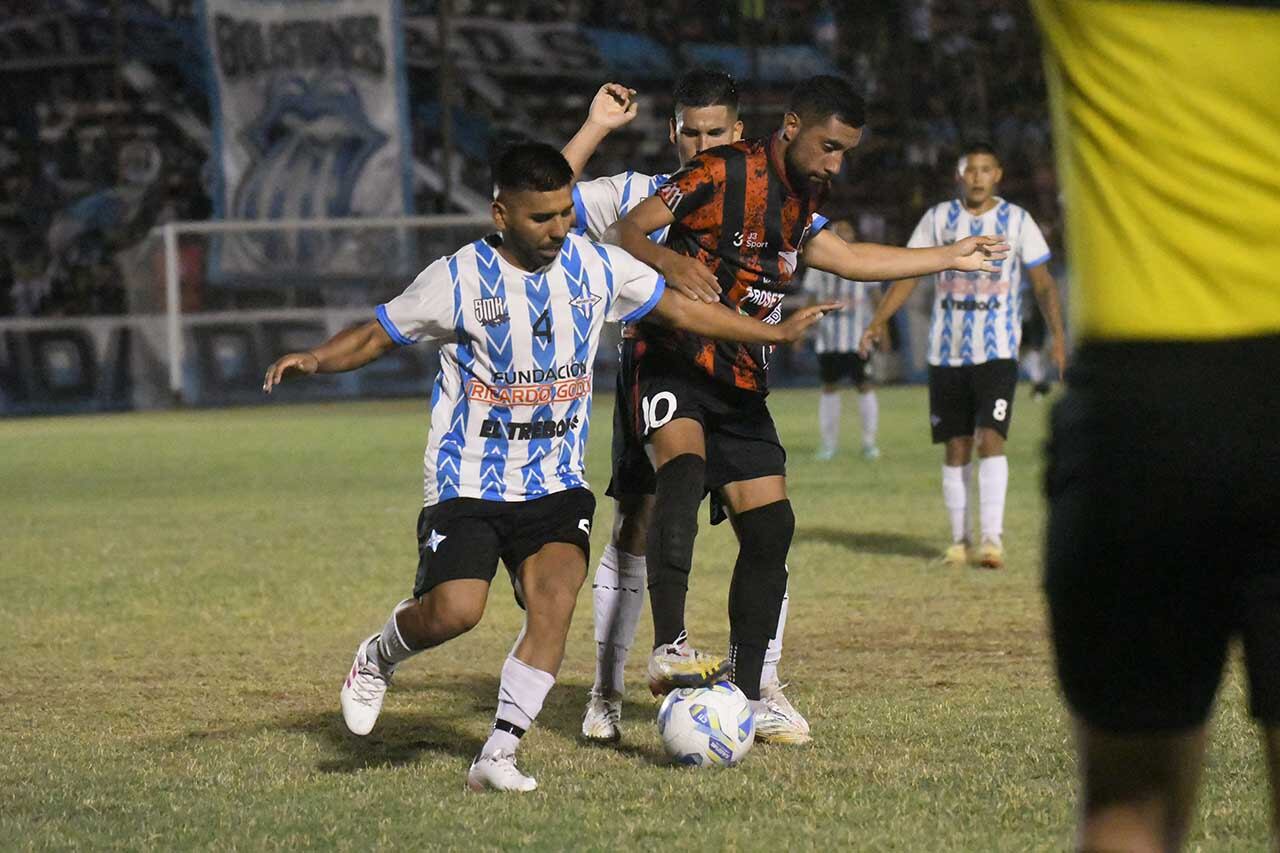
(766, 533)
(634, 516)
(990, 442)
(675, 521)
(443, 613)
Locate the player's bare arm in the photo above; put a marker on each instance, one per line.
(874, 262)
(1046, 291)
(720, 322)
(897, 296)
(348, 350)
(687, 275)
(614, 106)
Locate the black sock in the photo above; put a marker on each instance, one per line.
(669, 551)
(747, 662)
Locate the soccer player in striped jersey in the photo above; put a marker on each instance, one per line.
(518, 315)
(740, 217)
(973, 346)
(1163, 469)
(705, 114)
(836, 343)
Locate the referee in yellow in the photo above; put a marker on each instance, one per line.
(1163, 474)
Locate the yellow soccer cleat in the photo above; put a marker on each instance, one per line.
(678, 665)
(957, 555)
(991, 555)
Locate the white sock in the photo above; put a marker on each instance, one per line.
(773, 652)
(1034, 362)
(617, 595)
(993, 483)
(829, 420)
(869, 409)
(521, 693)
(389, 649)
(954, 498)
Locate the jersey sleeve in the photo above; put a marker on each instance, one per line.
(1033, 249)
(425, 311)
(922, 237)
(635, 287)
(596, 204)
(692, 187)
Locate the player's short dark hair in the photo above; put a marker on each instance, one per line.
(706, 87)
(980, 147)
(533, 166)
(823, 96)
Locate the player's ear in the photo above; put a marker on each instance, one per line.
(737, 130)
(790, 127)
(671, 130)
(499, 212)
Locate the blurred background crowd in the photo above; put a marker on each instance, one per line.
(105, 115)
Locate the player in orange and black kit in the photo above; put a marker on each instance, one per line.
(741, 217)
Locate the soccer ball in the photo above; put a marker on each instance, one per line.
(707, 726)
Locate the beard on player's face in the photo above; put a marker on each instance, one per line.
(534, 225)
(816, 151)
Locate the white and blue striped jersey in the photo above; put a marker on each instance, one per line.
(511, 405)
(840, 331)
(603, 201)
(977, 315)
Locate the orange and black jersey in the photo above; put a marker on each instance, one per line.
(736, 212)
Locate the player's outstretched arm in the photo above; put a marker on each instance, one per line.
(874, 262)
(687, 275)
(713, 320)
(614, 106)
(347, 350)
(1046, 291)
(897, 296)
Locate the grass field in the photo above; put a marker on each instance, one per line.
(182, 594)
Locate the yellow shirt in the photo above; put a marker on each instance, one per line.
(1167, 126)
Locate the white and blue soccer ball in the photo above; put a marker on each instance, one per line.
(707, 726)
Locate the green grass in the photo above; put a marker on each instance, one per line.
(182, 593)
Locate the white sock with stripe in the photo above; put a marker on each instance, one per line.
(617, 595)
(521, 693)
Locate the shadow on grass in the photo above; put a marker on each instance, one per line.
(436, 716)
(870, 542)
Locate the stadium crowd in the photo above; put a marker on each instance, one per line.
(92, 157)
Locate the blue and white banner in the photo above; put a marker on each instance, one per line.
(310, 121)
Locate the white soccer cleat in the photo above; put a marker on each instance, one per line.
(363, 691)
(678, 665)
(870, 452)
(777, 720)
(603, 718)
(497, 771)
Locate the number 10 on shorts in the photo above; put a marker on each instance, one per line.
(658, 410)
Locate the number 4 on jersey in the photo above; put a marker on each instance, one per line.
(542, 326)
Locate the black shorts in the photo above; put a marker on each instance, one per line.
(632, 471)
(961, 399)
(465, 537)
(834, 366)
(741, 440)
(1163, 481)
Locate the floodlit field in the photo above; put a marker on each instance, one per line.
(182, 594)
